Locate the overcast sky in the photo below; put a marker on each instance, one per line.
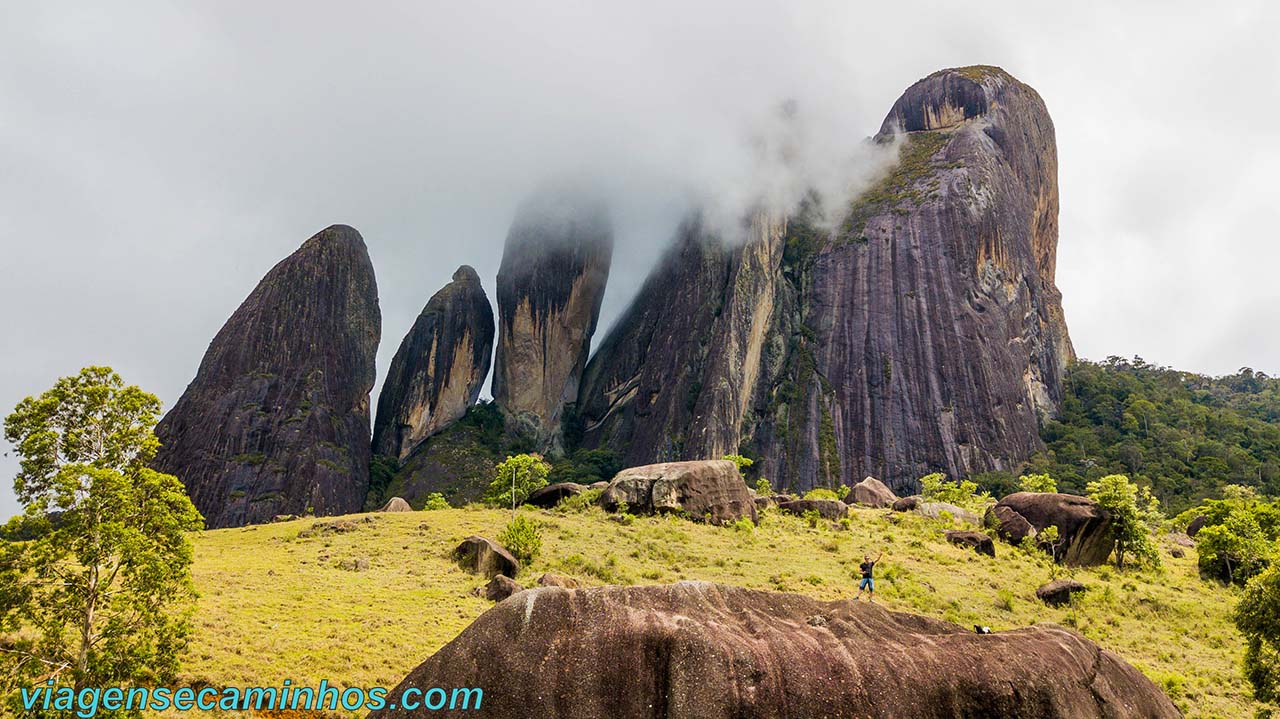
(157, 160)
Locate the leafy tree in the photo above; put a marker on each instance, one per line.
(1037, 483)
(763, 488)
(1258, 618)
(1134, 512)
(1234, 550)
(935, 488)
(521, 473)
(523, 538)
(99, 591)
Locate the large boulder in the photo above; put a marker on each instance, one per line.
(550, 285)
(702, 650)
(934, 510)
(1084, 527)
(708, 487)
(486, 557)
(1059, 591)
(1008, 524)
(832, 509)
(977, 541)
(437, 372)
(871, 492)
(550, 495)
(276, 420)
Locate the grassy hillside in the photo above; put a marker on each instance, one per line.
(278, 603)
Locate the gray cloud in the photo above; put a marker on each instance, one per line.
(158, 161)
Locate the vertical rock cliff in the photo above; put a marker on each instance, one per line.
(550, 285)
(438, 371)
(276, 420)
(923, 334)
(678, 373)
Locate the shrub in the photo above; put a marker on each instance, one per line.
(1037, 483)
(523, 538)
(584, 502)
(821, 493)
(1004, 600)
(935, 488)
(435, 501)
(742, 462)
(521, 473)
(744, 524)
(586, 466)
(763, 488)
(813, 517)
(1234, 550)
(1257, 617)
(1134, 515)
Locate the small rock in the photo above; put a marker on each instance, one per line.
(485, 556)
(1196, 525)
(1177, 553)
(354, 565)
(832, 509)
(977, 541)
(557, 580)
(817, 620)
(499, 588)
(396, 504)
(907, 504)
(1059, 591)
(871, 492)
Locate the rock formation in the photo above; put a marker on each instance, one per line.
(486, 557)
(550, 285)
(1059, 591)
(1084, 528)
(276, 420)
(924, 334)
(550, 495)
(832, 509)
(438, 371)
(871, 492)
(695, 649)
(711, 489)
(977, 541)
(675, 377)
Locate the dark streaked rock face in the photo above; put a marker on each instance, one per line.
(276, 420)
(931, 332)
(676, 376)
(696, 649)
(923, 334)
(550, 285)
(438, 371)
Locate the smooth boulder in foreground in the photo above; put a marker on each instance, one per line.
(701, 650)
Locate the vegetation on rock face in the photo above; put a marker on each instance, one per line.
(95, 592)
(1184, 435)
(586, 466)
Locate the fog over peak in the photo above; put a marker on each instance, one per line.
(159, 159)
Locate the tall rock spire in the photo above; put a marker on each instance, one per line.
(550, 285)
(276, 420)
(438, 370)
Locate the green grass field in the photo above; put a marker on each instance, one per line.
(277, 604)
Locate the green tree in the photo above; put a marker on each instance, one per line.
(1234, 549)
(1258, 618)
(1133, 511)
(521, 474)
(742, 462)
(935, 488)
(100, 590)
(1037, 483)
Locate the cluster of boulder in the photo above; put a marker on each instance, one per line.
(722, 348)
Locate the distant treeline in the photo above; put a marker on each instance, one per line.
(1186, 435)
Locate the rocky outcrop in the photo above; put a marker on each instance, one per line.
(1196, 524)
(924, 333)
(276, 420)
(457, 462)
(486, 557)
(437, 372)
(499, 588)
(550, 495)
(871, 492)
(1084, 528)
(550, 285)
(396, 504)
(711, 490)
(935, 510)
(1059, 591)
(695, 649)
(677, 375)
(1009, 525)
(977, 541)
(908, 504)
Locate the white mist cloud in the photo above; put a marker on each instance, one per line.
(158, 159)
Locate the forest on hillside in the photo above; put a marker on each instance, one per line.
(1184, 434)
